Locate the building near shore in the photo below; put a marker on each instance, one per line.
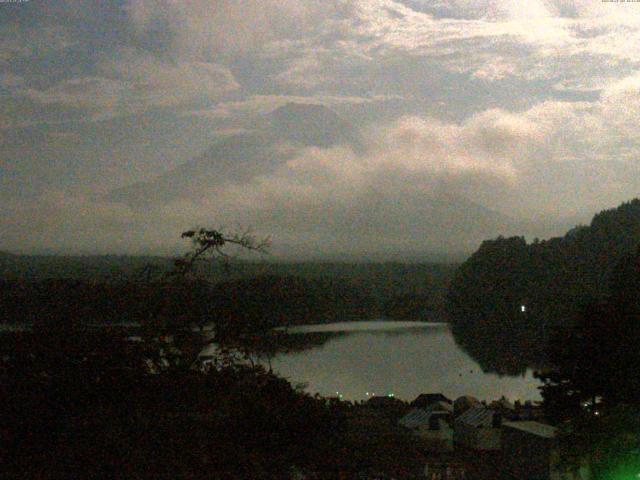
(478, 428)
(425, 400)
(432, 425)
(529, 453)
(464, 403)
(446, 470)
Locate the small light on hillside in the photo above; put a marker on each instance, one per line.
(523, 308)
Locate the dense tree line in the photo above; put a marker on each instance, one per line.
(391, 290)
(276, 300)
(509, 297)
(591, 387)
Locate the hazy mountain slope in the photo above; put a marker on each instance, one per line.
(414, 220)
(238, 158)
(309, 125)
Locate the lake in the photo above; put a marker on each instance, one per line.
(359, 359)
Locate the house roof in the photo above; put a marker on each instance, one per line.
(440, 407)
(418, 417)
(534, 428)
(426, 399)
(415, 418)
(503, 403)
(465, 402)
(478, 416)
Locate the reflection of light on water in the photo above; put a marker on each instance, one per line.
(370, 326)
(420, 358)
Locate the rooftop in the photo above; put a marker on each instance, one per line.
(418, 417)
(478, 416)
(426, 399)
(534, 428)
(415, 418)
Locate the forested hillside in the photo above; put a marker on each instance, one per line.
(509, 296)
(118, 289)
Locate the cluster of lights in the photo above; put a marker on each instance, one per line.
(368, 394)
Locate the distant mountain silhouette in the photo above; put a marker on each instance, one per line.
(309, 125)
(238, 158)
(440, 221)
(421, 221)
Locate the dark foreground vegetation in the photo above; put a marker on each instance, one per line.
(592, 385)
(509, 297)
(81, 403)
(95, 410)
(85, 395)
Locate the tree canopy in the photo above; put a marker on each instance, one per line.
(509, 297)
(592, 387)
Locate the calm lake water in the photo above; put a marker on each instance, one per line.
(403, 358)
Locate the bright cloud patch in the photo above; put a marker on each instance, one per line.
(133, 82)
(527, 111)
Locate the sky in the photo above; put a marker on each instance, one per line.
(528, 109)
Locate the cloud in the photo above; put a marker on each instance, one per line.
(305, 71)
(565, 43)
(28, 41)
(133, 82)
(162, 83)
(529, 112)
(10, 80)
(91, 93)
(175, 53)
(418, 186)
(207, 28)
(497, 69)
(332, 197)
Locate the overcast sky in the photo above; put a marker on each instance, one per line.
(529, 108)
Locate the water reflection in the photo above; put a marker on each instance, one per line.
(403, 358)
(370, 326)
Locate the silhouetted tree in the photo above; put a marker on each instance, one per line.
(208, 243)
(182, 302)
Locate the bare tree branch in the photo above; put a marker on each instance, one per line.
(211, 242)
